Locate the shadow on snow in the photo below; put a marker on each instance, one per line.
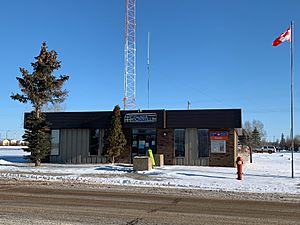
(117, 168)
(200, 175)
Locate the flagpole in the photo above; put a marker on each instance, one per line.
(292, 95)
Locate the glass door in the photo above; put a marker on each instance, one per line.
(142, 140)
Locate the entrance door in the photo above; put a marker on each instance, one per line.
(142, 140)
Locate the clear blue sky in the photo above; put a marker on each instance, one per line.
(216, 53)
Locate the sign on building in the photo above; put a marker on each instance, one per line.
(140, 118)
(218, 141)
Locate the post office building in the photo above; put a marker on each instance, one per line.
(184, 137)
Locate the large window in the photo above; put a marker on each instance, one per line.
(54, 142)
(94, 141)
(203, 143)
(179, 142)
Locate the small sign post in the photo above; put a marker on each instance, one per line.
(151, 157)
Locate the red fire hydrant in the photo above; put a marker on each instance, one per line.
(239, 166)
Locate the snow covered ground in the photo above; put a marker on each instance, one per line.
(269, 173)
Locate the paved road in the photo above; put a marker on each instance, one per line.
(23, 204)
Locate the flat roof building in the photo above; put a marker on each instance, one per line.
(184, 137)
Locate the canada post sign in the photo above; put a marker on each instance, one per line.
(140, 118)
(219, 135)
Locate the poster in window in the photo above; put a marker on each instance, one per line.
(218, 146)
(142, 144)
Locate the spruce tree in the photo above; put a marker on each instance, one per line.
(114, 139)
(255, 138)
(40, 88)
(282, 142)
(38, 138)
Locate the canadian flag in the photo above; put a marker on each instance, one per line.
(286, 36)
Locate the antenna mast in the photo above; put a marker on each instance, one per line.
(129, 56)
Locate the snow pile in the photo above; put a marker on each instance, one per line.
(268, 173)
(3, 162)
(12, 154)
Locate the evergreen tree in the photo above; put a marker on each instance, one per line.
(114, 139)
(255, 138)
(40, 88)
(38, 138)
(282, 142)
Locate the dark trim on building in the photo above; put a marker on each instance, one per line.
(229, 118)
(166, 119)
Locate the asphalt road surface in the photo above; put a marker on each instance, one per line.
(26, 204)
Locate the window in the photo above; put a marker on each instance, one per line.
(218, 146)
(203, 143)
(179, 142)
(54, 142)
(94, 141)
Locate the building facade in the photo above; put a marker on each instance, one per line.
(184, 137)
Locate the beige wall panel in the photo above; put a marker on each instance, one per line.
(74, 145)
(191, 146)
(191, 150)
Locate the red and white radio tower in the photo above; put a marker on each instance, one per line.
(129, 57)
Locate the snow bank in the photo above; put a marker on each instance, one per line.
(269, 173)
(3, 162)
(12, 154)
